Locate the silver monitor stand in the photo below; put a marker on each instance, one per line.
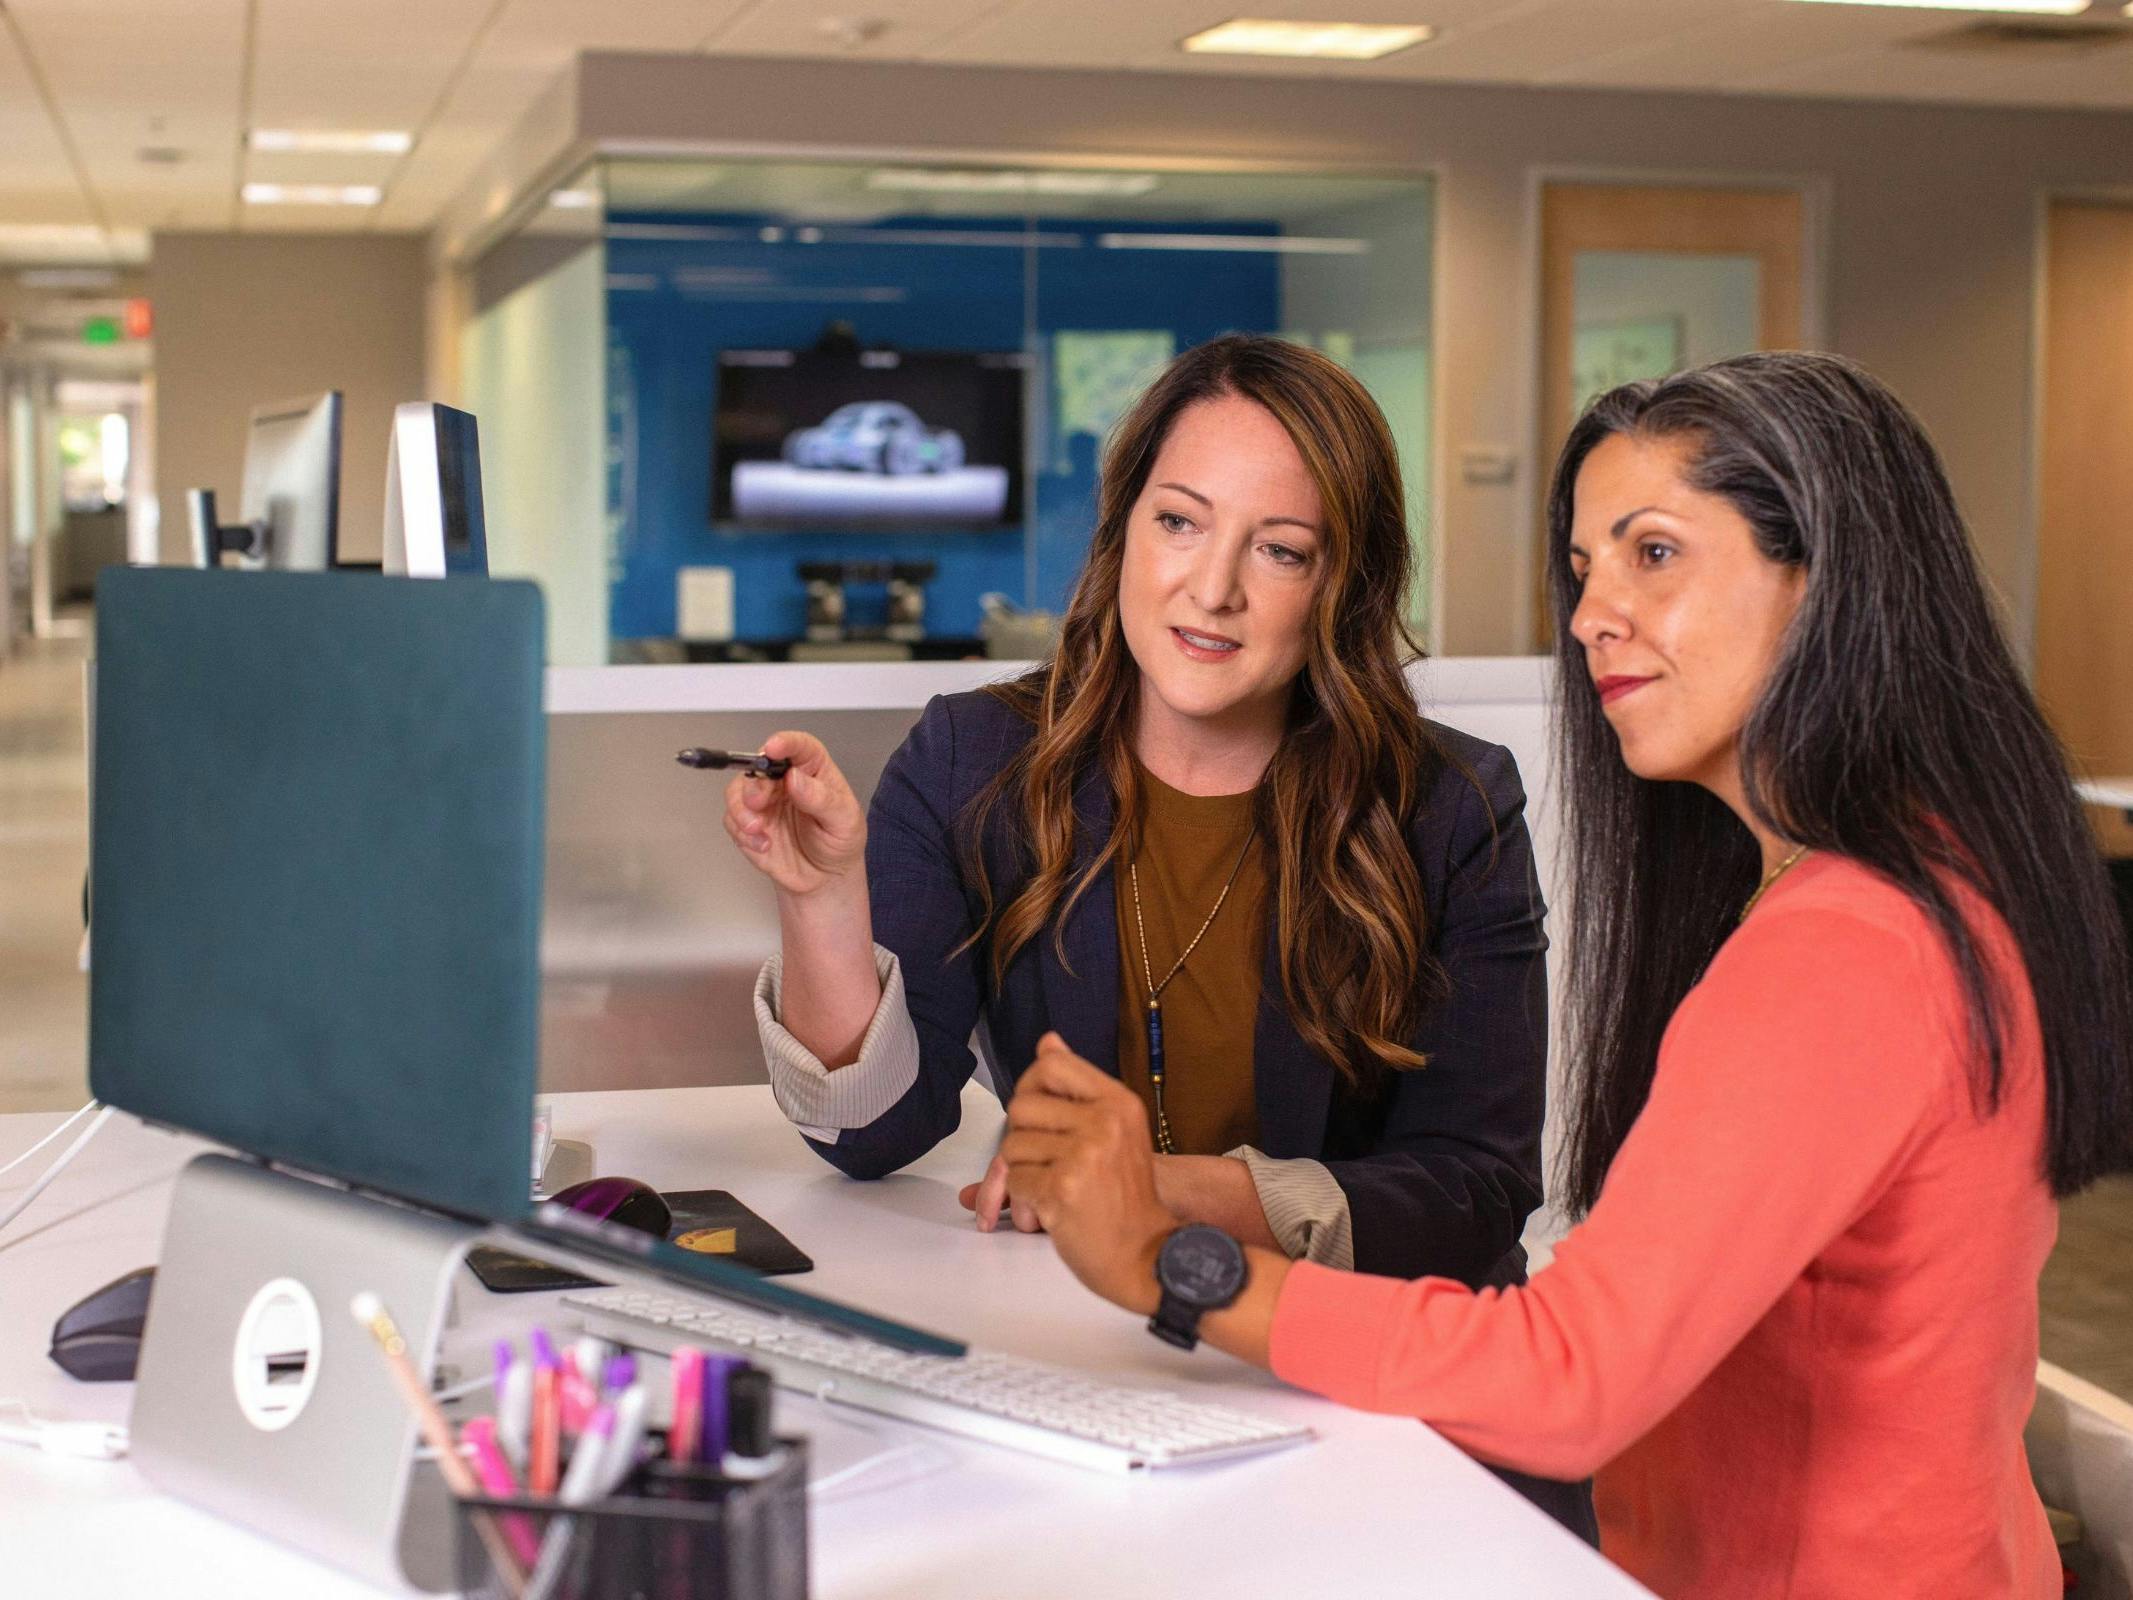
(261, 1400)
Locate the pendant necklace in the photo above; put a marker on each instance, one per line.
(1163, 1141)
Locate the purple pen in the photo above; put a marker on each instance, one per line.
(718, 1371)
(620, 1374)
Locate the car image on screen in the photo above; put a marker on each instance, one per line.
(877, 436)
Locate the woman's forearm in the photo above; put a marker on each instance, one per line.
(831, 987)
(1217, 1190)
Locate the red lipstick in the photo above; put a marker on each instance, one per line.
(1615, 686)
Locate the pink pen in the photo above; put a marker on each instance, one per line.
(498, 1482)
(683, 1431)
(578, 1397)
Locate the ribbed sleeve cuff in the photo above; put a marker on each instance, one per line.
(1330, 1330)
(1305, 1206)
(824, 1102)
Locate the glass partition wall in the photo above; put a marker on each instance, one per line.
(854, 410)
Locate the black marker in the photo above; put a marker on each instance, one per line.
(757, 766)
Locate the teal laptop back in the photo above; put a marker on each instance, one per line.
(315, 870)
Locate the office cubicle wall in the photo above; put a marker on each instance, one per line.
(656, 927)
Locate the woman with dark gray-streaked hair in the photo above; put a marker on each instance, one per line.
(1850, 1012)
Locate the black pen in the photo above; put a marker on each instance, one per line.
(756, 766)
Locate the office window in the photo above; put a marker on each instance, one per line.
(816, 363)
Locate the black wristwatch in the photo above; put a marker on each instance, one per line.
(1199, 1269)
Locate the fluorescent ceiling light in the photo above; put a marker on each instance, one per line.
(2051, 8)
(1332, 41)
(341, 141)
(935, 180)
(1251, 243)
(312, 194)
(574, 199)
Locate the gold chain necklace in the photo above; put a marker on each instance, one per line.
(1163, 1141)
(1771, 877)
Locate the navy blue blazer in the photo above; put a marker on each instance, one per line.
(1441, 1165)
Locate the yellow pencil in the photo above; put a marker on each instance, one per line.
(370, 1311)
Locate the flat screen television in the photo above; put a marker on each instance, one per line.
(868, 438)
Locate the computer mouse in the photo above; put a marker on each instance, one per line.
(623, 1200)
(98, 1339)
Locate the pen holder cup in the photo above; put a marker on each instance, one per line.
(669, 1533)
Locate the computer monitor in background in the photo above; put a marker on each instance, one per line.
(433, 511)
(289, 517)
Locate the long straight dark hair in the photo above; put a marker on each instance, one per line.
(1895, 729)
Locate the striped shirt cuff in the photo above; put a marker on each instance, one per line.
(1305, 1206)
(824, 1102)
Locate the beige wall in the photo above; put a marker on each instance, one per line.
(1930, 245)
(245, 319)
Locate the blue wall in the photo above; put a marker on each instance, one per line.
(674, 303)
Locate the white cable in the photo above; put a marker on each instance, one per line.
(44, 1179)
(93, 1441)
(48, 1138)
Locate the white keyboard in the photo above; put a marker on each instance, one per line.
(1025, 1405)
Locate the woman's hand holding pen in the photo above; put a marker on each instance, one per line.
(805, 831)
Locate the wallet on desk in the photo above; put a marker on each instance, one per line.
(709, 1220)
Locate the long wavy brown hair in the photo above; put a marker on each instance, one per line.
(1351, 769)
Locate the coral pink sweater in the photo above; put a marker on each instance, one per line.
(1796, 1338)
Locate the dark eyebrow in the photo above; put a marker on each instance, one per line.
(1622, 522)
(1192, 493)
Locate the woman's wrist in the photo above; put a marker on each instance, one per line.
(831, 985)
(836, 903)
(1216, 1190)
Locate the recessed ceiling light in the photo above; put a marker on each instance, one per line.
(2051, 8)
(1282, 244)
(935, 180)
(342, 141)
(1335, 41)
(312, 194)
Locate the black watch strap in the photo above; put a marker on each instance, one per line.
(1175, 1322)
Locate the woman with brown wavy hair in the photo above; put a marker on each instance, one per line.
(1210, 846)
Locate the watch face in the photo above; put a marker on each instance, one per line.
(1202, 1266)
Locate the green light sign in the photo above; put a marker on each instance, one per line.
(100, 330)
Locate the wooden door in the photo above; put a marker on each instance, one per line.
(2085, 515)
(1640, 281)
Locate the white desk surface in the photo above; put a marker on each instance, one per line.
(1377, 1505)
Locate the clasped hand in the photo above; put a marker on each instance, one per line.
(1077, 1162)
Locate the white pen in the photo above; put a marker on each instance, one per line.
(622, 1448)
(587, 1475)
(589, 1356)
(514, 1404)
